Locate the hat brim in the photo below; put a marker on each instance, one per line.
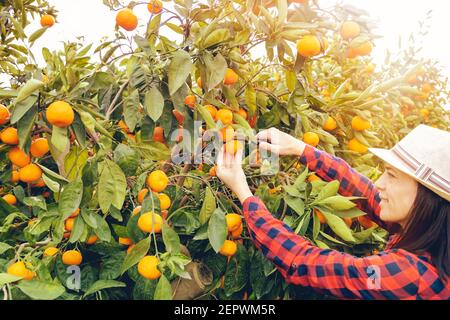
(389, 157)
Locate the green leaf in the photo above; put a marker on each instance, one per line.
(40, 290)
(179, 69)
(163, 289)
(112, 186)
(102, 285)
(339, 227)
(295, 204)
(127, 159)
(250, 100)
(38, 202)
(217, 229)
(137, 253)
(30, 87)
(78, 229)
(131, 109)
(22, 107)
(4, 247)
(216, 68)
(75, 161)
(337, 203)
(215, 37)
(330, 189)
(88, 120)
(37, 34)
(59, 139)
(6, 278)
(208, 206)
(25, 126)
(211, 124)
(102, 231)
(154, 103)
(171, 239)
(70, 198)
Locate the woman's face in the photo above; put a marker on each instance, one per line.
(398, 192)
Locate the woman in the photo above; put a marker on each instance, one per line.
(413, 194)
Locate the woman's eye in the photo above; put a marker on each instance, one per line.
(391, 175)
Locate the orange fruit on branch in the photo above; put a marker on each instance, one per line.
(157, 180)
(92, 239)
(20, 270)
(68, 225)
(126, 19)
(359, 124)
(30, 173)
(164, 201)
(308, 46)
(50, 251)
(179, 116)
(234, 221)
(225, 116)
(136, 210)
(72, 258)
(155, 6)
(366, 222)
(190, 101)
(141, 195)
(47, 20)
(15, 177)
(350, 30)
(125, 241)
(330, 124)
(243, 113)
(228, 249)
(10, 199)
(311, 138)
(39, 147)
(148, 267)
(10, 136)
(321, 217)
(238, 232)
(356, 146)
(4, 115)
(212, 171)
(158, 134)
(18, 157)
(60, 114)
(75, 213)
(231, 77)
(212, 110)
(149, 221)
(123, 126)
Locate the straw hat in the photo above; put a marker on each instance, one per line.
(424, 155)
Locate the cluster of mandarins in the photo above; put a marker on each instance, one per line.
(127, 20)
(418, 79)
(59, 114)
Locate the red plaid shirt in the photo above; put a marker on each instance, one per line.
(391, 274)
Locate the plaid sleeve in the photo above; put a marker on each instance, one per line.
(329, 167)
(389, 275)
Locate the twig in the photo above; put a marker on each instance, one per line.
(110, 109)
(5, 293)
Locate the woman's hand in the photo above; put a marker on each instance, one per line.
(280, 143)
(229, 170)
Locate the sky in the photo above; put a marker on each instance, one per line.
(92, 20)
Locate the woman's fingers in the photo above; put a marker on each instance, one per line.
(266, 135)
(270, 147)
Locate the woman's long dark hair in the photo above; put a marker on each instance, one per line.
(428, 229)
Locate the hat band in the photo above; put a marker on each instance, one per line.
(421, 170)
